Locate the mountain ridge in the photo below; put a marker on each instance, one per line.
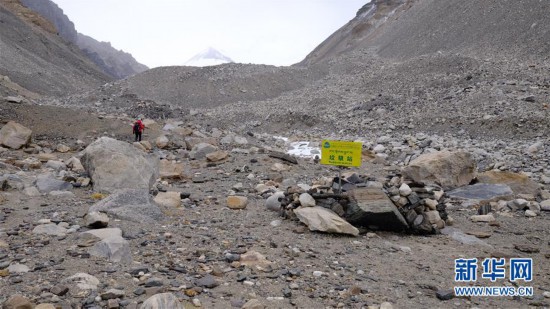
(402, 29)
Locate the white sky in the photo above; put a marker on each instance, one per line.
(170, 32)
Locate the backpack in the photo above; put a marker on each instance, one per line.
(137, 127)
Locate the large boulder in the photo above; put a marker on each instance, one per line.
(14, 135)
(113, 165)
(324, 220)
(131, 205)
(447, 169)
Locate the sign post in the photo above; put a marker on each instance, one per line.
(342, 154)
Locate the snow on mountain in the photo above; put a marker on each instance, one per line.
(208, 57)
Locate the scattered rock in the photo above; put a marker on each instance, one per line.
(527, 248)
(200, 151)
(237, 202)
(18, 268)
(96, 219)
(253, 304)
(254, 259)
(162, 142)
(207, 281)
(162, 301)
(306, 200)
(445, 294)
(217, 156)
(483, 218)
(50, 229)
(18, 302)
(168, 199)
(170, 170)
(273, 202)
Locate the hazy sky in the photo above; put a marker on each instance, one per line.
(170, 32)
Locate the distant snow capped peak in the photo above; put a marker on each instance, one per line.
(208, 57)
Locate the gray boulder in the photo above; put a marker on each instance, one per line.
(56, 165)
(114, 248)
(200, 151)
(50, 229)
(273, 202)
(108, 243)
(162, 301)
(96, 219)
(131, 205)
(113, 165)
(14, 136)
(47, 183)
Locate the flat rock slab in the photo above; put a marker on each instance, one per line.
(519, 183)
(324, 220)
(526, 248)
(131, 205)
(371, 207)
(482, 192)
(283, 156)
(480, 234)
(461, 237)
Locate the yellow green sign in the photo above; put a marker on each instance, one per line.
(341, 153)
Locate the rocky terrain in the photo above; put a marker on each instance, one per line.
(450, 103)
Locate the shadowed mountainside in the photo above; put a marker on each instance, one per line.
(116, 63)
(35, 58)
(404, 29)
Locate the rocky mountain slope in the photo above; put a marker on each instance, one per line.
(116, 63)
(352, 35)
(402, 29)
(34, 59)
(52, 12)
(394, 64)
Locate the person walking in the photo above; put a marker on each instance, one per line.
(138, 129)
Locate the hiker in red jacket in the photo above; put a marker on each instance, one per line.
(138, 129)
